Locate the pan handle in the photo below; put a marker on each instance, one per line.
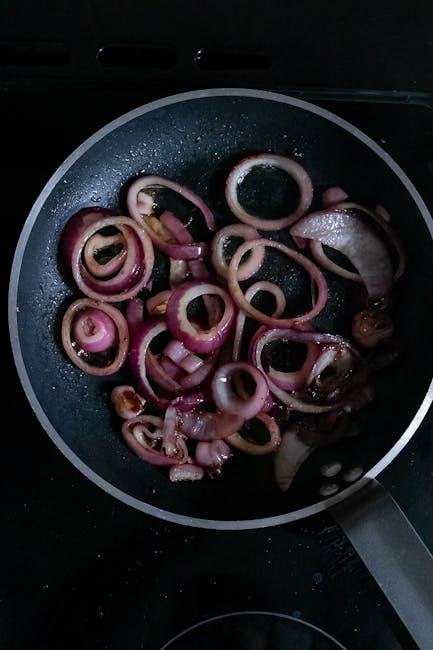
(394, 554)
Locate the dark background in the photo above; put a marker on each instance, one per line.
(79, 569)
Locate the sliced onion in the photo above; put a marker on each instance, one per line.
(143, 213)
(94, 330)
(75, 227)
(292, 168)
(321, 257)
(291, 454)
(333, 195)
(303, 261)
(78, 309)
(241, 231)
(134, 313)
(160, 376)
(127, 403)
(179, 271)
(339, 357)
(212, 454)
(157, 304)
(185, 473)
(295, 379)
(198, 340)
(202, 425)
(255, 449)
(201, 374)
(169, 433)
(133, 275)
(227, 401)
(189, 401)
(169, 367)
(141, 341)
(143, 441)
(95, 245)
(341, 229)
(263, 337)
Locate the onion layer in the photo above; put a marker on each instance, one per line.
(225, 398)
(292, 168)
(255, 449)
(144, 436)
(201, 425)
(83, 310)
(198, 340)
(271, 321)
(132, 276)
(246, 269)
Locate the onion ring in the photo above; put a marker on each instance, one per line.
(227, 401)
(255, 449)
(310, 267)
(82, 305)
(292, 168)
(248, 268)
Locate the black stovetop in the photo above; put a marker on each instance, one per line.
(80, 570)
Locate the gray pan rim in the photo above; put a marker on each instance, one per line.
(221, 617)
(166, 515)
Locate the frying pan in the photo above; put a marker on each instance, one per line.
(195, 138)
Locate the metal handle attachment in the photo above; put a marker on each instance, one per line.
(394, 554)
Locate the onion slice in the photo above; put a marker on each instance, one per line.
(241, 231)
(292, 168)
(143, 435)
(198, 340)
(291, 454)
(80, 309)
(255, 449)
(225, 398)
(185, 472)
(341, 229)
(140, 347)
(132, 276)
(127, 403)
(271, 321)
(143, 213)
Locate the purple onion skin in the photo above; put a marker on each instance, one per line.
(76, 225)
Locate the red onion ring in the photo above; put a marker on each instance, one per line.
(134, 274)
(227, 401)
(263, 337)
(341, 229)
(76, 225)
(94, 245)
(94, 330)
(74, 310)
(127, 403)
(198, 340)
(160, 376)
(202, 425)
(143, 214)
(141, 341)
(292, 168)
(142, 441)
(169, 367)
(248, 268)
(297, 379)
(303, 261)
(134, 313)
(236, 440)
(177, 352)
(197, 377)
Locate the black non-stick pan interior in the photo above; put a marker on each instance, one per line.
(194, 142)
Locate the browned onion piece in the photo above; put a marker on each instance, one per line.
(144, 437)
(76, 355)
(271, 321)
(369, 327)
(127, 403)
(292, 168)
(241, 231)
(255, 449)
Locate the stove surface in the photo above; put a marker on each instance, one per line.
(82, 570)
